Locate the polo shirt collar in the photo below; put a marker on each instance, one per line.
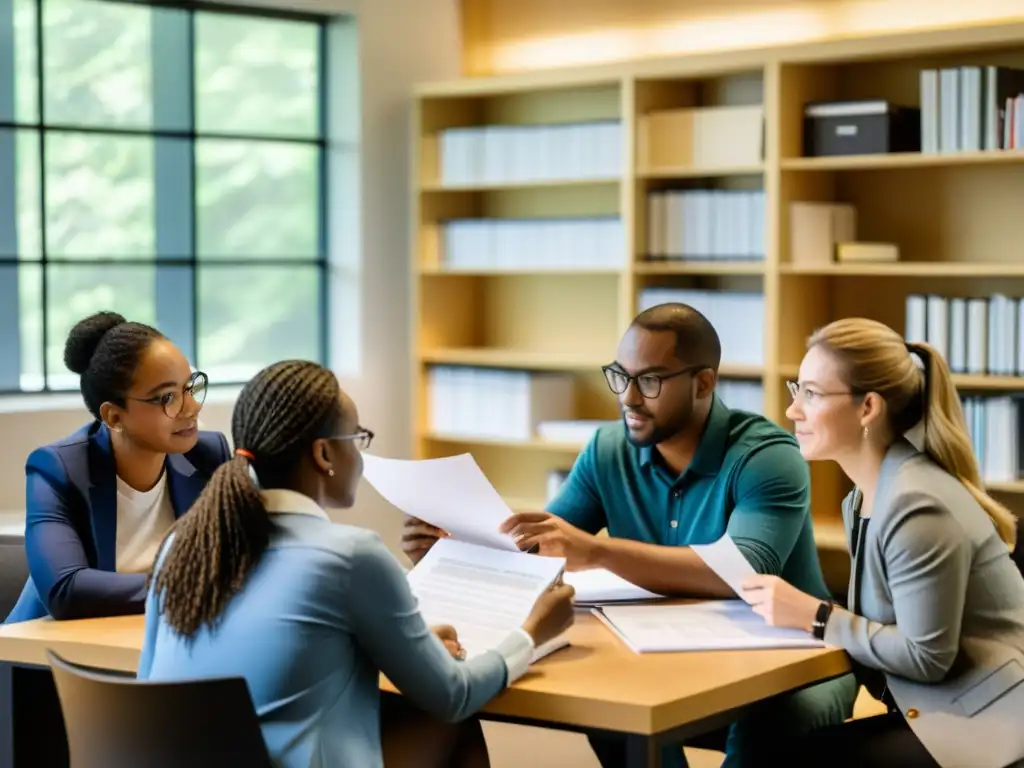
(707, 460)
(282, 502)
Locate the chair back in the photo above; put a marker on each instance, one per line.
(113, 719)
(13, 571)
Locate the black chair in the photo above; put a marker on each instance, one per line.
(13, 572)
(115, 720)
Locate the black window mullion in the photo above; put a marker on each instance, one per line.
(43, 241)
(324, 191)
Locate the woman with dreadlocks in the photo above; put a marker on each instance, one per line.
(257, 582)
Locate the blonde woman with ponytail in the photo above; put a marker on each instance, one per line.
(935, 615)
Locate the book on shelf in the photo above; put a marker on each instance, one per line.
(994, 423)
(506, 154)
(971, 108)
(592, 242)
(706, 225)
(738, 316)
(498, 404)
(976, 335)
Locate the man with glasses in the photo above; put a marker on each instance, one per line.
(681, 468)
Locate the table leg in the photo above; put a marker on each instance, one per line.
(642, 752)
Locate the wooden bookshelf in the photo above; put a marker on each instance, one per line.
(954, 216)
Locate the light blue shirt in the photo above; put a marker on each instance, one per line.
(327, 609)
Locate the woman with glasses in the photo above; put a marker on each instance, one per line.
(934, 620)
(257, 582)
(100, 501)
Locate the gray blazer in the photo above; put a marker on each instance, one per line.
(937, 605)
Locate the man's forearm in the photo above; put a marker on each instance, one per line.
(669, 571)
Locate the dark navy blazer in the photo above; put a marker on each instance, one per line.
(71, 524)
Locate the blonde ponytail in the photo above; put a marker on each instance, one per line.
(877, 359)
(948, 442)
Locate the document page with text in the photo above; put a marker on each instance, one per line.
(484, 593)
(711, 625)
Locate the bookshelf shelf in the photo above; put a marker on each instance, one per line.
(699, 173)
(902, 160)
(434, 188)
(442, 271)
(908, 269)
(516, 359)
(661, 267)
(692, 166)
(1012, 486)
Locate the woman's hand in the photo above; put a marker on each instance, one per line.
(450, 638)
(780, 603)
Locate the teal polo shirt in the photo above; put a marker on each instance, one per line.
(747, 478)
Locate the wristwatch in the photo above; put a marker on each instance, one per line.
(821, 619)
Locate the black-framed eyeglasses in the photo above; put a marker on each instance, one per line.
(649, 384)
(173, 403)
(809, 396)
(362, 438)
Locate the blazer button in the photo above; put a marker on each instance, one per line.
(912, 713)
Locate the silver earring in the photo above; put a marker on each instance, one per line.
(330, 473)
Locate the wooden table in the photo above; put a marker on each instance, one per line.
(597, 684)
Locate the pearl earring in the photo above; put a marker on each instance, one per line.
(330, 473)
(865, 433)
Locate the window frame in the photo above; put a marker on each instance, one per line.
(42, 128)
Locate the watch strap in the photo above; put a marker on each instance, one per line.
(821, 619)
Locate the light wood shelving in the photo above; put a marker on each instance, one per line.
(955, 217)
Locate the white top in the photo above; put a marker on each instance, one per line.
(143, 519)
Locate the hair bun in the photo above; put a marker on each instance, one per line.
(85, 337)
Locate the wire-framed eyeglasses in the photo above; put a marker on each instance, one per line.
(362, 438)
(173, 403)
(649, 384)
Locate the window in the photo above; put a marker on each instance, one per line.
(167, 163)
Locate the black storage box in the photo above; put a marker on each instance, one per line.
(860, 128)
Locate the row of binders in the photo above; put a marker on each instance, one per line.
(975, 335)
(972, 108)
(504, 154)
(496, 404)
(994, 424)
(706, 224)
(738, 317)
(534, 244)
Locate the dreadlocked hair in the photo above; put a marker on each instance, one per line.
(278, 414)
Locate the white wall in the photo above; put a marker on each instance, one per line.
(370, 275)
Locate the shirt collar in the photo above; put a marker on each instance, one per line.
(707, 460)
(278, 501)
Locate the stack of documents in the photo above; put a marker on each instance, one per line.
(477, 580)
(703, 626)
(712, 625)
(598, 586)
(484, 593)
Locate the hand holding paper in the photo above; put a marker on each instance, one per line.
(779, 603)
(725, 559)
(451, 493)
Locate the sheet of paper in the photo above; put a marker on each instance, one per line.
(483, 593)
(725, 559)
(706, 626)
(597, 586)
(451, 492)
